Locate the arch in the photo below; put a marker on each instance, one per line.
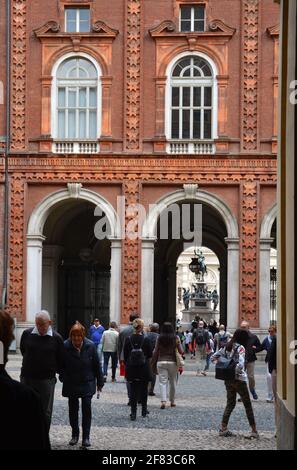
(149, 236)
(150, 225)
(42, 210)
(267, 222)
(170, 66)
(35, 241)
(68, 51)
(202, 50)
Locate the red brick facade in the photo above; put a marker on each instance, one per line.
(134, 42)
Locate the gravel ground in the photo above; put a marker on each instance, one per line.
(192, 425)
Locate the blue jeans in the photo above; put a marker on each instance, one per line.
(114, 362)
(100, 354)
(208, 356)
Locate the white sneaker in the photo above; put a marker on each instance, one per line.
(225, 433)
(253, 435)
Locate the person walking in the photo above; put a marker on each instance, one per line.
(272, 367)
(137, 354)
(164, 359)
(125, 333)
(221, 338)
(252, 348)
(152, 336)
(265, 346)
(80, 376)
(43, 357)
(95, 335)
(110, 350)
(23, 423)
(202, 343)
(236, 348)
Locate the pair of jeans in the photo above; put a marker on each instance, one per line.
(138, 392)
(167, 371)
(114, 362)
(73, 403)
(233, 387)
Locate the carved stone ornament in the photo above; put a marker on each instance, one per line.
(274, 30)
(166, 26)
(101, 27)
(190, 190)
(51, 26)
(74, 190)
(221, 27)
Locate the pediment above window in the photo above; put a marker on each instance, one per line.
(273, 30)
(164, 27)
(53, 29)
(220, 27)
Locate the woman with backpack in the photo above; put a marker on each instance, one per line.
(235, 349)
(165, 360)
(137, 354)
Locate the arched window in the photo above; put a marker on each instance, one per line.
(76, 100)
(192, 99)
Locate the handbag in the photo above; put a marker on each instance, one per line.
(179, 360)
(225, 368)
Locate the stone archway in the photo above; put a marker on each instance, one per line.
(35, 239)
(149, 236)
(266, 242)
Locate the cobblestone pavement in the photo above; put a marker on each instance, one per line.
(192, 425)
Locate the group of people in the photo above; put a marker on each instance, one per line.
(142, 355)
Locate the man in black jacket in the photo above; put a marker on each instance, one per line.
(43, 356)
(254, 346)
(22, 421)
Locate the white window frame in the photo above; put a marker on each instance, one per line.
(54, 96)
(77, 24)
(192, 17)
(191, 82)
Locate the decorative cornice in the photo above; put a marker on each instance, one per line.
(51, 26)
(274, 31)
(220, 27)
(165, 26)
(102, 28)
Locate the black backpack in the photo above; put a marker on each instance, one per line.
(225, 368)
(137, 357)
(200, 337)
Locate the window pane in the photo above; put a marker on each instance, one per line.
(185, 13)
(197, 96)
(61, 125)
(84, 26)
(207, 124)
(93, 97)
(197, 72)
(185, 26)
(186, 96)
(72, 98)
(71, 14)
(175, 96)
(196, 124)
(61, 97)
(82, 97)
(71, 27)
(84, 14)
(186, 124)
(199, 12)
(180, 66)
(65, 67)
(207, 96)
(187, 72)
(93, 125)
(82, 124)
(71, 125)
(199, 25)
(175, 124)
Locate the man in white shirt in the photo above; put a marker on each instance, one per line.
(109, 341)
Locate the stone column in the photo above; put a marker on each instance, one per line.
(115, 281)
(264, 283)
(50, 261)
(147, 280)
(233, 283)
(34, 276)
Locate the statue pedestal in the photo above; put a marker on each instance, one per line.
(204, 313)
